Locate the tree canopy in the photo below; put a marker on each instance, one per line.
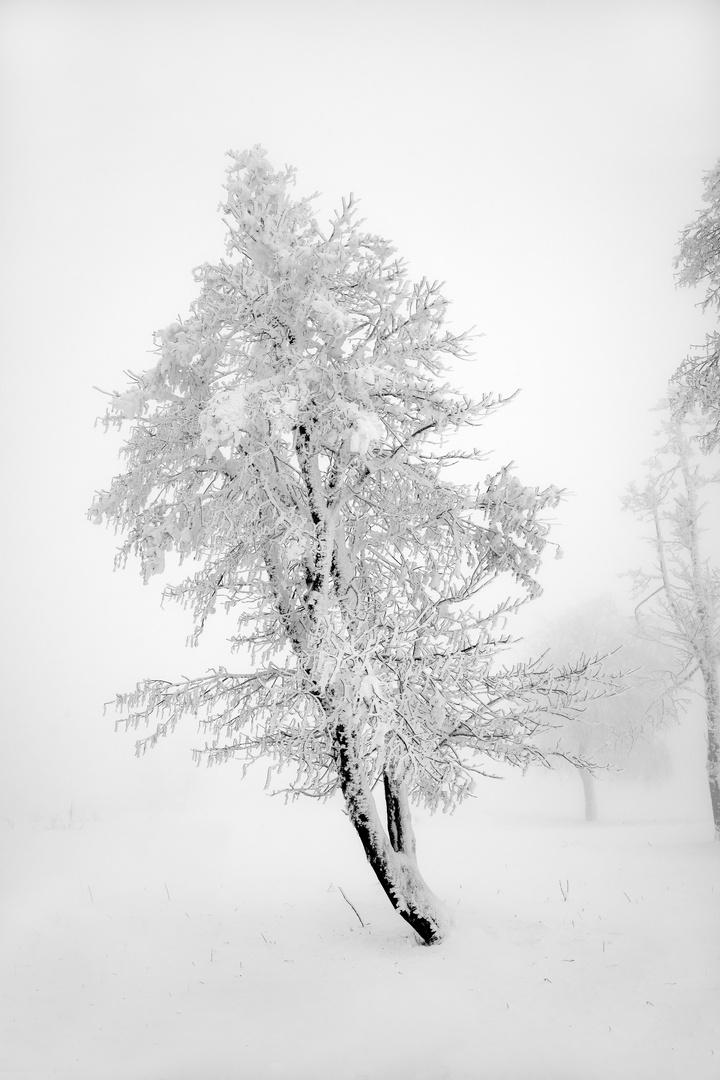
(697, 380)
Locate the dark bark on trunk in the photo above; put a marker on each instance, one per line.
(711, 678)
(590, 792)
(393, 861)
(399, 824)
(394, 867)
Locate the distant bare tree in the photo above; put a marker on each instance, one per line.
(680, 597)
(615, 729)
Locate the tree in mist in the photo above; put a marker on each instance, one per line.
(697, 380)
(680, 596)
(611, 731)
(290, 440)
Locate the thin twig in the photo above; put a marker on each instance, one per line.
(351, 905)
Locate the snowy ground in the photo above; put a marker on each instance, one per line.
(210, 940)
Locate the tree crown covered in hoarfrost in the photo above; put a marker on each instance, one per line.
(697, 380)
(290, 438)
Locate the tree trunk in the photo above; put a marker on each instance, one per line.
(711, 678)
(588, 783)
(397, 809)
(703, 638)
(392, 860)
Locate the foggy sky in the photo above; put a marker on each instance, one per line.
(540, 158)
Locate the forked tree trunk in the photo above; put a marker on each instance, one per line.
(391, 855)
(590, 792)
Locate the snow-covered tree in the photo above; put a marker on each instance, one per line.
(679, 601)
(697, 380)
(291, 440)
(611, 731)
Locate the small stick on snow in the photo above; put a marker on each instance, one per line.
(351, 905)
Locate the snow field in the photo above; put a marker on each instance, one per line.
(214, 941)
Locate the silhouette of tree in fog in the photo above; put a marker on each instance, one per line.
(679, 597)
(612, 731)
